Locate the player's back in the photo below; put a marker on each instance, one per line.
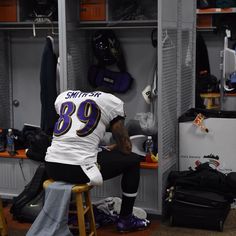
(84, 117)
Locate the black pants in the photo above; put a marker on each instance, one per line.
(112, 164)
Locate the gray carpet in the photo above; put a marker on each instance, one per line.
(229, 229)
(165, 230)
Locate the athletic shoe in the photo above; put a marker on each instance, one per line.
(137, 211)
(131, 223)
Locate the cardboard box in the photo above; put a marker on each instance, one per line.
(217, 146)
(92, 10)
(8, 10)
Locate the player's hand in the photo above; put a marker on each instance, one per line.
(109, 147)
(112, 147)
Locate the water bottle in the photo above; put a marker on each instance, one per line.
(149, 149)
(149, 145)
(10, 142)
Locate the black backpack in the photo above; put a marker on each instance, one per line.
(27, 205)
(38, 144)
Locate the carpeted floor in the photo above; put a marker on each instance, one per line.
(156, 228)
(229, 229)
(16, 228)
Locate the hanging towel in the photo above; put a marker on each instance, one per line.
(53, 218)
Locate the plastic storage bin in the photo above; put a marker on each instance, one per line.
(8, 11)
(92, 10)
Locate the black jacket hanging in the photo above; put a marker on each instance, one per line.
(48, 91)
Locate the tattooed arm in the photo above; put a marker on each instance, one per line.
(121, 136)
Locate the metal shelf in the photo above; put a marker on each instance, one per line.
(27, 25)
(118, 24)
(206, 29)
(216, 10)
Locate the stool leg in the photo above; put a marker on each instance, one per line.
(90, 214)
(80, 214)
(3, 225)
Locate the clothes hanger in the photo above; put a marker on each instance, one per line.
(41, 19)
(52, 42)
(167, 42)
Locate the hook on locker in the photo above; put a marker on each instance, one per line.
(43, 20)
(167, 41)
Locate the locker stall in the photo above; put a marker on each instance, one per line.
(20, 61)
(212, 24)
(174, 58)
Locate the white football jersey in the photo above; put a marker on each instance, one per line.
(84, 117)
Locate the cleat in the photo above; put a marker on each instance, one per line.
(131, 223)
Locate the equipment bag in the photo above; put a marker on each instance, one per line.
(203, 177)
(231, 182)
(118, 82)
(197, 209)
(29, 202)
(199, 198)
(38, 142)
(31, 209)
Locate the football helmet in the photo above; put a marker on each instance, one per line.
(106, 47)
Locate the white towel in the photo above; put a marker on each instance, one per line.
(53, 218)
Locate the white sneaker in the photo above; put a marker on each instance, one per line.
(112, 206)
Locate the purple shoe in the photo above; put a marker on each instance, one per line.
(131, 223)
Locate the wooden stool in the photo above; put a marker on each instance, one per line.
(83, 208)
(212, 100)
(3, 225)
